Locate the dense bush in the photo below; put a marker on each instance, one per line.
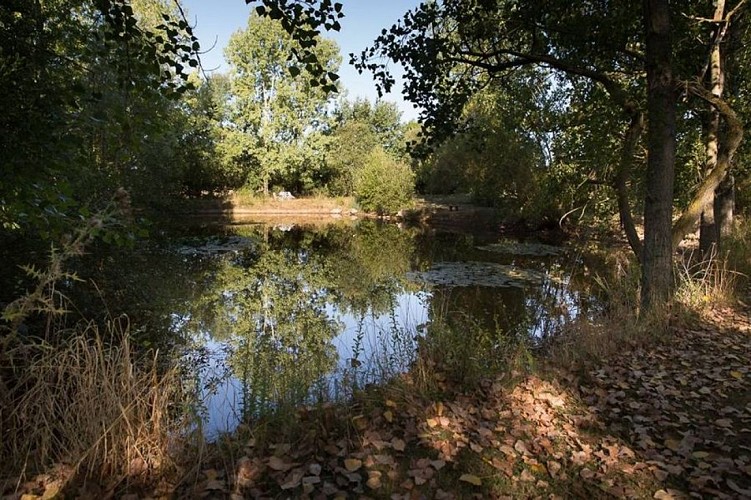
(383, 184)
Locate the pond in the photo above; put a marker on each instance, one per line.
(270, 316)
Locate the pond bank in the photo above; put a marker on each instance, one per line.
(655, 421)
(659, 420)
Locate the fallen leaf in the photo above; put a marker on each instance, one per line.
(553, 468)
(293, 480)
(736, 374)
(214, 485)
(374, 480)
(526, 476)
(672, 444)
(398, 444)
(52, 490)
(373, 483)
(279, 464)
(521, 447)
(741, 491)
(389, 416)
(438, 464)
(586, 473)
(471, 479)
(352, 464)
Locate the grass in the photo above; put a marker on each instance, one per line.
(249, 199)
(91, 402)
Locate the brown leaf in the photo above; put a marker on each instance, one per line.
(374, 480)
(385, 460)
(52, 490)
(398, 444)
(724, 422)
(438, 464)
(352, 464)
(293, 480)
(553, 468)
(438, 408)
(373, 483)
(246, 471)
(389, 416)
(741, 491)
(526, 476)
(521, 447)
(315, 469)
(672, 444)
(215, 485)
(279, 464)
(586, 473)
(507, 450)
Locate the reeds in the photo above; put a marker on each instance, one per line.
(90, 402)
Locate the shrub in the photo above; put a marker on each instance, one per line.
(383, 184)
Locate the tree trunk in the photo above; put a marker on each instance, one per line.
(731, 140)
(708, 234)
(657, 259)
(630, 143)
(724, 206)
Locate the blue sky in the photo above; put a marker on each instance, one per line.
(216, 20)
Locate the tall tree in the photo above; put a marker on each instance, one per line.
(274, 107)
(657, 260)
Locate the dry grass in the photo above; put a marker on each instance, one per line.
(90, 403)
(244, 200)
(705, 282)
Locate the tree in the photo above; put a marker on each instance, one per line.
(383, 118)
(453, 49)
(382, 184)
(359, 127)
(274, 108)
(657, 260)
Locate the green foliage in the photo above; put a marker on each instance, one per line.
(383, 185)
(275, 113)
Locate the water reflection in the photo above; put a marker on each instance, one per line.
(286, 316)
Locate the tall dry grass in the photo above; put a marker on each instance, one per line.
(81, 396)
(90, 402)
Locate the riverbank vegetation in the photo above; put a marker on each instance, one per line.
(562, 122)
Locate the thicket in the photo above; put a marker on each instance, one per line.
(383, 184)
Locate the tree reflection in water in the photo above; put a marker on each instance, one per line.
(304, 315)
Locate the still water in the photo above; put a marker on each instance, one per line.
(271, 316)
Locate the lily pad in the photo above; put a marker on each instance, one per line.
(521, 248)
(473, 273)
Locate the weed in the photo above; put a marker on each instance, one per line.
(704, 282)
(88, 402)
